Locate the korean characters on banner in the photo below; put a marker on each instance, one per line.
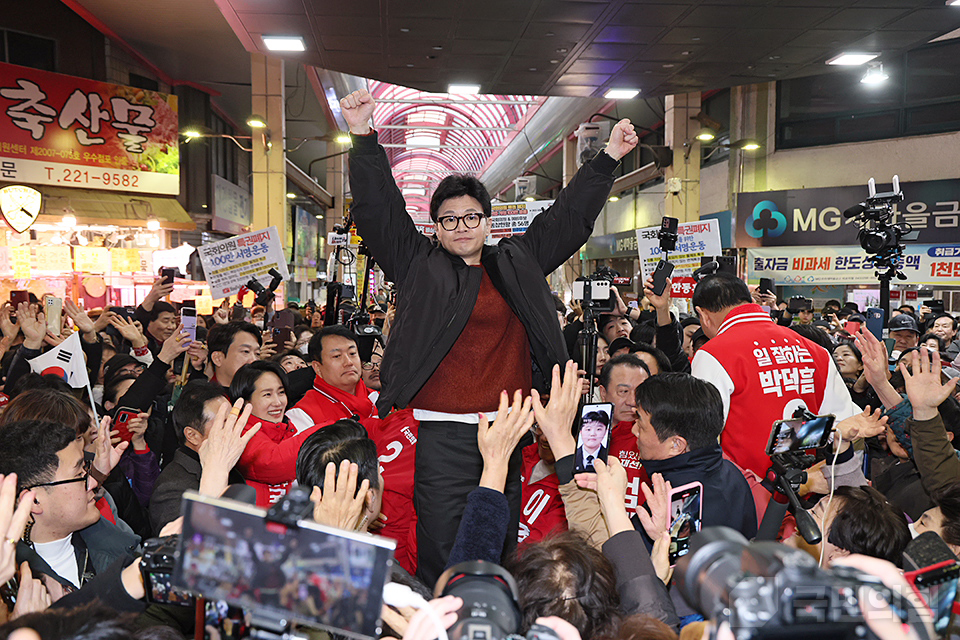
(694, 240)
(922, 264)
(513, 218)
(73, 132)
(230, 264)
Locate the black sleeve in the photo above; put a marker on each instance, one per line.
(564, 468)
(379, 209)
(147, 387)
(298, 383)
(641, 591)
(670, 341)
(483, 528)
(19, 367)
(108, 588)
(560, 231)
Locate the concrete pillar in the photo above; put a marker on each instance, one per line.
(269, 160)
(681, 134)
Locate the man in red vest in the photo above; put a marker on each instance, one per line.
(764, 372)
(337, 390)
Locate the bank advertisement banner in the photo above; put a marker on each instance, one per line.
(811, 217)
(73, 132)
(694, 240)
(922, 264)
(512, 218)
(229, 264)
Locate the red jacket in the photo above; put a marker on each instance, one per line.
(269, 463)
(396, 438)
(623, 447)
(541, 512)
(764, 372)
(325, 404)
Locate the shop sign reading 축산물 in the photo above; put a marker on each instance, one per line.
(73, 132)
(230, 264)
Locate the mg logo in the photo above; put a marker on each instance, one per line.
(767, 220)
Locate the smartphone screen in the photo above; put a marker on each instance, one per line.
(53, 311)
(317, 575)
(686, 518)
(188, 318)
(16, 297)
(799, 435)
(168, 274)
(593, 436)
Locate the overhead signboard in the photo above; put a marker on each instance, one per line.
(73, 132)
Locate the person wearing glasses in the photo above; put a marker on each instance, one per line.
(67, 542)
(472, 319)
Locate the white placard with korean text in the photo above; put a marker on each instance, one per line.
(694, 240)
(512, 218)
(229, 264)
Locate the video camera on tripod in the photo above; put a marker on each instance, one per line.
(879, 236)
(595, 298)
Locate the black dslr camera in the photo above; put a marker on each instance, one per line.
(265, 295)
(490, 603)
(769, 590)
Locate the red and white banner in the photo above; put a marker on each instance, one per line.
(73, 132)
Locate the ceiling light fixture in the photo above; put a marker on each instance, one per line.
(153, 224)
(706, 134)
(613, 199)
(852, 59)
(621, 94)
(284, 43)
(257, 122)
(874, 75)
(291, 195)
(69, 220)
(461, 89)
(191, 134)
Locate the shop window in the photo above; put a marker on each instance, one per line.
(922, 95)
(29, 50)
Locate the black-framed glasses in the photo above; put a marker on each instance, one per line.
(87, 464)
(470, 221)
(370, 366)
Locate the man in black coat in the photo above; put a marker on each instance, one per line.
(472, 320)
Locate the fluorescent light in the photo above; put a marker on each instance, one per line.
(852, 59)
(621, 94)
(283, 43)
(414, 191)
(874, 75)
(470, 89)
(423, 141)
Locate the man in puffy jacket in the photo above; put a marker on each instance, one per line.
(472, 319)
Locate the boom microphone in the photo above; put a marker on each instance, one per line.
(854, 211)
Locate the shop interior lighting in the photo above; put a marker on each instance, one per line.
(621, 94)
(463, 89)
(284, 43)
(154, 241)
(874, 74)
(257, 122)
(69, 220)
(153, 224)
(852, 58)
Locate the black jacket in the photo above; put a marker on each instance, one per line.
(437, 290)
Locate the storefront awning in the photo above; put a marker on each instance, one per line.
(106, 208)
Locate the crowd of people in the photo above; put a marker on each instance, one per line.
(455, 435)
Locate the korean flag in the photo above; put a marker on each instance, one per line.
(65, 360)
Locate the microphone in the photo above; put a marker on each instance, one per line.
(854, 211)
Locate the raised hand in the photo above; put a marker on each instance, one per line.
(497, 441)
(80, 318)
(157, 292)
(357, 109)
(178, 342)
(862, 425)
(33, 324)
(129, 329)
(105, 455)
(32, 595)
(623, 138)
(924, 389)
(556, 419)
(340, 504)
(658, 501)
(7, 325)
(223, 445)
(610, 483)
(875, 368)
(12, 523)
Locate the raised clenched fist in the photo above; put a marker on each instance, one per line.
(357, 109)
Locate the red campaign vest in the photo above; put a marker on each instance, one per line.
(396, 438)
(774, 370)
(325, 404)
(623, 447)
(271, 433)
(541, 512)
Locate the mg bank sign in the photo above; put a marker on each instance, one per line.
(813, 217)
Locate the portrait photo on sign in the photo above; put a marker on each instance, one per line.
(593, 436)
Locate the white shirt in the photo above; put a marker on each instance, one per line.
(61, 557)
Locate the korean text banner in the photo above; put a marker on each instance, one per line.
(512, 218)
(230, 264)
(74, 132)
(694, 240)
(922, 264)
